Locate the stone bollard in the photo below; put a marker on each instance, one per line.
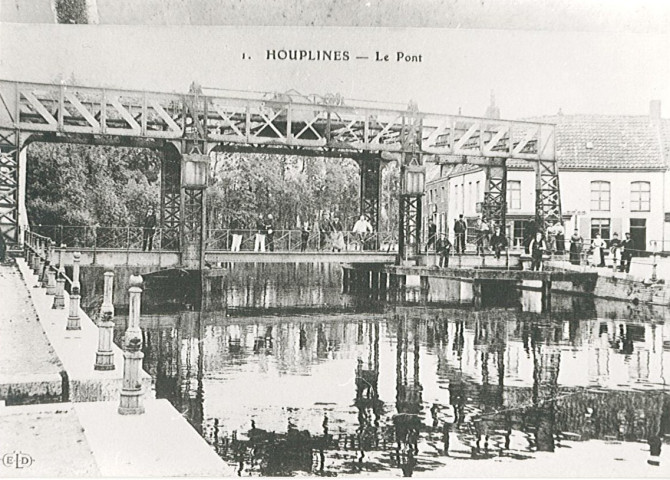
(36, 254)
(73, 319)
(59, 297)
(108, 294)
(37, 265)
(131, 394)
(52, 273)
(104, 357)
(49, 257)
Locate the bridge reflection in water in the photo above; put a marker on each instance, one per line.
(355, 387)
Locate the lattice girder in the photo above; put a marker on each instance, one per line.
(279, 121)
(9, 184)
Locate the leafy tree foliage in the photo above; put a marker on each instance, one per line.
(111, 186)
(83, 185)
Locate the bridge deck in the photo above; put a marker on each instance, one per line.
(166, 259)
(487, 274)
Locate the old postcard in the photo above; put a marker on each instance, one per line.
(340, 238)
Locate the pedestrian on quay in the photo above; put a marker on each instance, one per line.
(559, 233)
(236, 232)
(615, 250)
(498, 242)
(529, 234)
(325, 229)
(576, 245)
(483, 232)
(460, 229)
(337, 235)
(259, 244)
(443, 248)
(537, 248)
(432, 232)
(361, 229)
(598, 246)
(627, 250)
(149, 230)
(304, 236)
(270, 233)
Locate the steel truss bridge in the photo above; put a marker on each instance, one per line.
(191, 125)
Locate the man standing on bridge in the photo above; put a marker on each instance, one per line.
(149, 230)
(259, 245)
(460, 228)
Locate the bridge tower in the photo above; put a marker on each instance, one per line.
(412, 181)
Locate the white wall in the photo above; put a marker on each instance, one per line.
(576, 197)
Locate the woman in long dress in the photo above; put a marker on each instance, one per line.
(598, 246)
(576, 245)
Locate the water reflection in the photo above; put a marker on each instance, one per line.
(356, 388)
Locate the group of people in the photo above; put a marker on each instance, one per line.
(496, 242)
(622, 251)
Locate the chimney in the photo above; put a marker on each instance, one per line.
(655, 109)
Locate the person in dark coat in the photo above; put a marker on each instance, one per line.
(627, 250)
(149, 230)
(432, 232)
(460, 229)
(443, 248)
(576, 245)
(498, 242)
(537, 248)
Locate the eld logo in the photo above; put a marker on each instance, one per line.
(17, 460)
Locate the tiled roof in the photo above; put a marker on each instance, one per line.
(608, 141)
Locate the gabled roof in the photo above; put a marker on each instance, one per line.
(614, 142)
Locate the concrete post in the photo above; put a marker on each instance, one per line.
(131, 394)
(47, 263)
(466, 292)
(108, 294)
(53, 272)
(37, 266)
(104, 357)
(59, 297)
(654, 276)
(36, 256)
(73, 319)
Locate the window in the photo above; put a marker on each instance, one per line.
(600, 196)
(514, 195)
(640, 196)
(600, 226)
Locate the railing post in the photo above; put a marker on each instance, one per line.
(48, 258)
(73, 319)
(37, 260)
(131, 393)
(108, 293)
(654, 245)
(59, 294)
(95, 244)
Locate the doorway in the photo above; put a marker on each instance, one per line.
(638, 233)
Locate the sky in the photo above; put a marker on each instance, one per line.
(531, 72)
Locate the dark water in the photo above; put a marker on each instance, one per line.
(296, 378)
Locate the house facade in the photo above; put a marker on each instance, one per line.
(613, 174)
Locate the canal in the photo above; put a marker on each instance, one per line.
(283, 374)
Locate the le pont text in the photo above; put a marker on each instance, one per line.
(340, 56)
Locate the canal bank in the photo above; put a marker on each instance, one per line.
(80, 433)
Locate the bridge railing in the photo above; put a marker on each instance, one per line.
(292, 241)
(133, 239)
